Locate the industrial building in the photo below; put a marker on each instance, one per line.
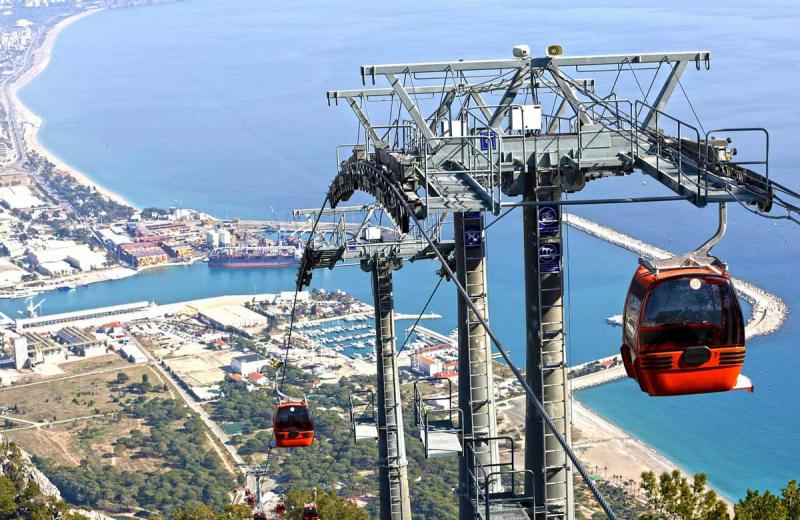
(247, 364)
(235, 318)
(180, 251)
(42, 349)
(20, 344)
(10, 274)
(84, 259)
(55, 268)
(132, 353)
(142, 254)
(89, 317)
(212, 239)
(51, 255)
(113, 237)
(43, 251)
(80, 342)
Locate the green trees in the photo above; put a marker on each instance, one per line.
(755, 506)
(671, 496)
(253, 409)
(192, 473)
(21, 497)
(329, 505)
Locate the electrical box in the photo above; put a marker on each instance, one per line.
(454, 128)
(372, 234)
(526, 117)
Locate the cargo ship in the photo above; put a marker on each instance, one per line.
(261, 256)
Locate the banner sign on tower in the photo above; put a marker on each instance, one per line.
(550, 257)
(548, 217)
(473, 235)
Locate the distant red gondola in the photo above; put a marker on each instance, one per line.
(310, 512)
(293, 426)
(683, 331)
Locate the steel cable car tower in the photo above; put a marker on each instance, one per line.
(471, 156)
(379, 250)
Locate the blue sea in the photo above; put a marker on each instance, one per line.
(221, 106)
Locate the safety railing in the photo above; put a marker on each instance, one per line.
(663, 148)
(420, 398)
(401, 136)
(478, 154)
(498, 483)
(617, 121)
(362, 409)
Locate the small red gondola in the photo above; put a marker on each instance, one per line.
(683, 331)
(280, 509)
(259, 515)
(310, 511)
(293, 426)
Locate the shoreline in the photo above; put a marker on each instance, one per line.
(601, 439)
(29, 123)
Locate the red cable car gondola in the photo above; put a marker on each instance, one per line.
(683, 331)
(293, 427)
(310, 511)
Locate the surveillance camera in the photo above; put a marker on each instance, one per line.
(522, 51)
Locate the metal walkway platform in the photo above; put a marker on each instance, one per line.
(440, 444)
(362, 432)
(501, 511)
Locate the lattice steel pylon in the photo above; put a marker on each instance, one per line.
(482, 149)
(356, 234)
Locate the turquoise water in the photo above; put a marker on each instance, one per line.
(220, 106)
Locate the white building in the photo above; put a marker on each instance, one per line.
(113, 237)
(224, 237)
(84, 259)
(19, 197)
(10, 274)
(234, 317)
(248, 364)
(55, 269)
(132, 353)
(288, 297)
(425, 365)
(50, 251)
(14, 248)
(212, 239)
(20, 351)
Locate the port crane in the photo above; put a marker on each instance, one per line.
(486, 147)
(32, 309)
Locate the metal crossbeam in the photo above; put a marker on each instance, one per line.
(518, 63)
